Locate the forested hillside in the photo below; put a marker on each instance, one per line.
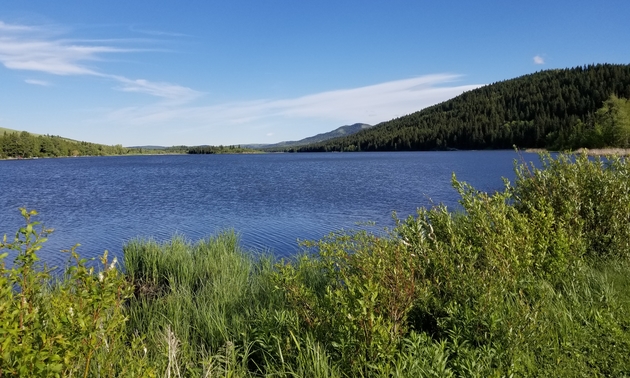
(548, 109)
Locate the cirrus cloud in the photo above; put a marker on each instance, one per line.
(38, 49)
(175, 118)
(42, 83)
(252, 119)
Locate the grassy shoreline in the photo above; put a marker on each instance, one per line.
(530, 281)
(131, 154)
(589, 152)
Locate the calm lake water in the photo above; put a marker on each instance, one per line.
(271, 200)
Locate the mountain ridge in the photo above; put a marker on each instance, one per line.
(338, 132)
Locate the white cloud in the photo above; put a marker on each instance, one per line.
(37, 82)
(174, 117)
(164, 90)
(14, 28)
(158, 32)
(370, 104)
(539, 60)
(36, 49)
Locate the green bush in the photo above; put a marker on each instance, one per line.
(591, 199)
(354, 295)
(73, 326)
(514, 283)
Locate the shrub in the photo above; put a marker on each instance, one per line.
(63, 327)
(354, 295)
(590, 198)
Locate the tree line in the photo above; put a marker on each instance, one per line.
(25, 145)
(556, 109)
(207, 150)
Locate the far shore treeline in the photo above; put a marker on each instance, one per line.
(24, 145)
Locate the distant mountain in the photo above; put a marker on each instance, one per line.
(338, 132)
(547, 109)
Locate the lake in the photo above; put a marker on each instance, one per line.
(271, 200)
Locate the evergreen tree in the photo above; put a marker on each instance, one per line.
(552, 109)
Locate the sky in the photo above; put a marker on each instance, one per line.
(263, 71)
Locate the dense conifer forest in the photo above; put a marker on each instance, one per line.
(557, 109)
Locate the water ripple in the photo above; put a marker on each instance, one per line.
(270, 200)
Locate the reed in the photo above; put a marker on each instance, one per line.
(208, 294)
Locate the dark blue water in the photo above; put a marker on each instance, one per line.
(271, 200)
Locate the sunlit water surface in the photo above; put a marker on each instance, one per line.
(271, 200)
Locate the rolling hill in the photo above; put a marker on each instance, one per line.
(338, 132)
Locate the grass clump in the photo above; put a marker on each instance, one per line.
(207, 295)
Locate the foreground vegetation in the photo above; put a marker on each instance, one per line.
(530, 281)
(553, 109)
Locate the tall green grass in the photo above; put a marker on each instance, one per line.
(208, 294)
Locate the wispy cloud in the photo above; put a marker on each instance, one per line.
(47, 51)
(158, 33)
(37, 82)
(14, 28)
(52, 57)
(37, 49)
(539, 60)
(370, 104)
(158, 89)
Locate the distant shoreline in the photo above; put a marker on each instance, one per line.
(589, 152)
(131, 154)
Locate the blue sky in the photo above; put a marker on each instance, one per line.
(233, 72)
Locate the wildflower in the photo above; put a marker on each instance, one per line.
(113, 264)
(100, 276)
(71, 311)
